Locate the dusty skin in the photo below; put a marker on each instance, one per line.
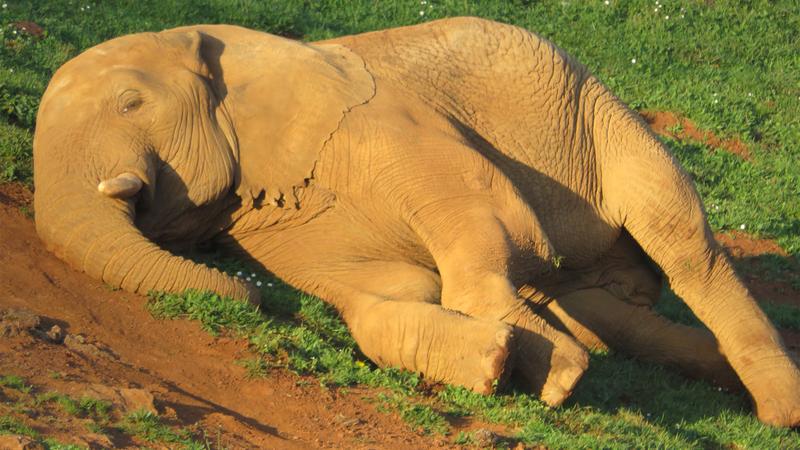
(463, 192)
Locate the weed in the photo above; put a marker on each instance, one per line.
(256, 367)
(420, 417)
(463, 438)
(10, 425)
(149, 427)
(15, 382)
(676, 129)
(84, 407)
(52, 444)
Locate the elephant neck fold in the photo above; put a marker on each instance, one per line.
(286, 99)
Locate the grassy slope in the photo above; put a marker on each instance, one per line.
(729, 66)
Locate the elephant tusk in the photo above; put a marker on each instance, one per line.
(123, 185)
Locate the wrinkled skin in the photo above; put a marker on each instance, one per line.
(464, 193)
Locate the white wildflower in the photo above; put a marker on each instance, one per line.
(749, 94)
(269, 284)
(423, 2)
(633, 60)
(248, 278)
(253, 275)
(5, 5)
(666, 17)
(258, 283)
(422, 13)
(607, 2)
(11, 70)
(239, 273)
(741, 227)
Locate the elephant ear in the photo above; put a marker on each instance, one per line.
(291, 108)
(184, 47)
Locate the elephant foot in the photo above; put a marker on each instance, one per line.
(568, 363)
(780, 412)
(550, 361)
(494, 365)
(776, 393)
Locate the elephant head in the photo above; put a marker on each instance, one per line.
(136, 146)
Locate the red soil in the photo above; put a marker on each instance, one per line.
(663, 122)
(192, 375)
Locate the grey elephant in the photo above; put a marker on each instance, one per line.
(465, 194)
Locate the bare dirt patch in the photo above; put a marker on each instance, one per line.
(751, 256)
(672, 125)
(192, 376)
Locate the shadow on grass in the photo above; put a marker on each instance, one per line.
(617, 385)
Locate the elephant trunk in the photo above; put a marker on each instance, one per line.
(96, 234)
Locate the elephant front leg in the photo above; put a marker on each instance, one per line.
(442, 345)
(476, 255)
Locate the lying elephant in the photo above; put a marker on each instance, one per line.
(462, 191)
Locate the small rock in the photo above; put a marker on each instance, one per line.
(346, 421)
(77, 342)
(18, 442)
(484, 437)
(96, 440)
(138, 399)
(14, 322)
(128, 400)
(55, 334)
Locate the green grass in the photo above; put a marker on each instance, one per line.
(15, 382)
(10, 425)
(84, 407)
(730, 66)
(150, 428)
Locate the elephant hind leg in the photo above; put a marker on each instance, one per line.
(598, 319)
(663, 213)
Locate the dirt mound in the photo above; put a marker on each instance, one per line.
(753, 258)
(672, 125)
(105, 341)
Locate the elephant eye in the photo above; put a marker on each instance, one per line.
(129, 101)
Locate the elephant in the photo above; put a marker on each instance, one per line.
(468, 197)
